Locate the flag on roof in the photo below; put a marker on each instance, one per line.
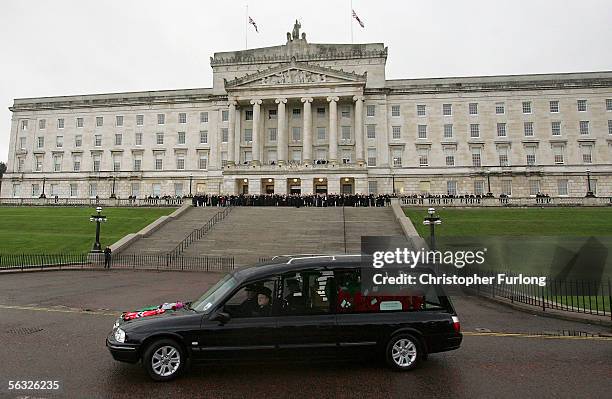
(359, 21)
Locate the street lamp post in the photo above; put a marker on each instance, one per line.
(432, 220)
(98, 218)
(113, 196)
(190, 182)
(43, 195)
(489, 193)
(589, 193)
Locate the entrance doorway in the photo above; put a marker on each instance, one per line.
(242, 186)
(320, 185)
(294, 186)
(267, 186)
(347, 185)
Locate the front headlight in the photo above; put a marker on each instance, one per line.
(117, 323)
(120, 335)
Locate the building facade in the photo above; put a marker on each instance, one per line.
(316, 118)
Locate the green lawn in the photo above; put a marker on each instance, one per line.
(50, 230)
(517, 221)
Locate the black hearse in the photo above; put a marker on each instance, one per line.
(291, 307)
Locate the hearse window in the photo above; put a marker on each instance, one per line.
(351, 297)
(253, 300)
(206, 302)
(307, 293)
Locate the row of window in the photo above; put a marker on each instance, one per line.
(55, 189)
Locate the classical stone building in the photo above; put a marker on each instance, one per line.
(304, 117)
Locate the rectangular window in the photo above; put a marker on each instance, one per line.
(159, 163)
(609, 126)
(272, 133)
(608, 104)
(562, 187)
(558, 152)
(74, 191)
(161, 119)
(346, 133)
(476, 161)
(35, 190)
(138, 139)
(554, 106)
(137, 164)
(42, 124)
(248, 135)
(22, 143)
(526, 107)
(451, 187)
(397, 157)
(59, 141)
(395, 110)
(224, 134)
(203, 117)
(296, 156)
(272, 156)
(528, 129)
(76, 163)
(248, 115)
(531, 155)
(79, 122)
(448, 131)
(60, 123)
(180, 162)
(178, 189)
(156, 189)
(422, 131)
(423, 154)
(371, 156)
(449, 156)
(296, 113)
(203, 136)
(502, 153)
(78, 140)
(371, 131)
(118, 139)
(116, 163)
(371, 110)
(346, 111)
(320, 112)
(97, 140)
(182, 117)
(534, 187)
(39, 163)
(181, 138)
(555, 128)
(40, 142)
(500, 108)
(447, 109)
(479, 187)
(321, 133)
(20, 164)
(159, 138)
(396, 132)
(223, 159)
(139, 120)
(203, 162)
(96, 163)
(16, 190)
(582, 105)
(135, 190)
(372, 186)
(473, 108)
(474, 130)
(54, 190)
(587, 153)
(501, 130)
(99, 121)
(272, 114)
(584, 127)
(225, 115)
(118, 120)
(93, 189)
(506, 187)
(421, 110)
(57, 163)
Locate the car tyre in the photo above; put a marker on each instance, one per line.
(164, 359)
(403, 352)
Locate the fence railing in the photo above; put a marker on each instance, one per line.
(200, 232)
(505, 201)
(579, 296)
(123, 202)
(23, 262)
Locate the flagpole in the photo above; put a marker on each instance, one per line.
(246, 28)
(351, 19)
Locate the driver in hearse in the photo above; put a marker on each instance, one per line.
(249, 305)
(263, 303)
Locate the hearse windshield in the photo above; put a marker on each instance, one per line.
(211, 297)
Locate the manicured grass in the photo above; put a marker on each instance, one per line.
(48, 230)
(517, 221)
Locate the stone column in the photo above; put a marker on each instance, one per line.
(333, 129)
(237, 136)
(255, 145)
(281, 132)
(307, 139)
(359, 130)
(231, 132)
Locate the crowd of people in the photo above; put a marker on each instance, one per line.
(309, 200)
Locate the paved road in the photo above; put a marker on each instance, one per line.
(70, 347)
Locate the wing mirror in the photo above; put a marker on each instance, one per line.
(221, 317)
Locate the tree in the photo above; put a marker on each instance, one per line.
(2, 171)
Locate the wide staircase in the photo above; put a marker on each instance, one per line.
(253, 233)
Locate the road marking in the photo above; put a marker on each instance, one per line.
(525, 335)
(66, 310)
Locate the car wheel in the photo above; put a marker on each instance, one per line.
(403, 352)
(164, 359)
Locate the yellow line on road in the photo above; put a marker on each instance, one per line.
(66, 310)
(525, 335)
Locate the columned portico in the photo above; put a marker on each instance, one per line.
(359, 130)
(281, 140)
(333, 129)
(255, 144)
(231, 132)
(307, 140)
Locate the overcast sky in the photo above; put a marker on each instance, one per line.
(64, 47)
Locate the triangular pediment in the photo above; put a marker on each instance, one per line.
(296, 74)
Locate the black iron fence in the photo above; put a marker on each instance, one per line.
(123, 202)
(579, 296)
(24, 262)
(200, 232)
(478, 201)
